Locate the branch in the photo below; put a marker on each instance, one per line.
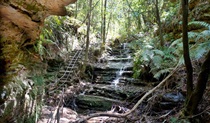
(135, 106)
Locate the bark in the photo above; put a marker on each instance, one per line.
(159, 23)
(88, 32)
(195, 98)
(104, 25)
(187, 59)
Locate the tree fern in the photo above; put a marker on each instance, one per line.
(161, 72)
(199, 23)
(157, 61)
(202, 41)
(159, 52)
(176, 43)
(154, 58)
(199, 52)
(192, 35)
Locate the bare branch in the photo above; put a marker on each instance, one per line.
(135, 106)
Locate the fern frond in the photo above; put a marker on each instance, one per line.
(159, 52)
(157, 60)
(192, 35)
(200, 23)
(205, 33)
(161, 72)
(199, 52)
(176, 42)
(181, 60)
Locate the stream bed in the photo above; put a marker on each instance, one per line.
(112, 88)
(113, 84)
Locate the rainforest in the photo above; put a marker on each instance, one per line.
(104, 61)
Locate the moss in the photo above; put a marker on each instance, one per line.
(93, 102)
(32, 7)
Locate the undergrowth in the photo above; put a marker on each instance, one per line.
(161, 61)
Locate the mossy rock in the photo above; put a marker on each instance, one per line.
(95, 102)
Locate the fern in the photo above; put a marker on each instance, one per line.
(192, 35)
(198, 50)
(176, 43)
(159, 52)
(161, 72)
(157, 60)
(200, 23)
(161, 61)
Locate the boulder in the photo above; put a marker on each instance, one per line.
(95, 102)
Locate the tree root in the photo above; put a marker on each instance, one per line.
(83, 120)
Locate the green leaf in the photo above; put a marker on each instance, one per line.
(176, 42)
(199, 52)
(161, 72)
(38, 80)
(200, 23)
(48, 41)
(157, 60)
(159, 52)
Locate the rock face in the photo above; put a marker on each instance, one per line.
(21, 22)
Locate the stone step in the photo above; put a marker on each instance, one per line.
(122, 80)
(92, 102)
(121, 52)
(120, 92)
(103, 82)
(120, 59)
(99, 69)
(113, 74)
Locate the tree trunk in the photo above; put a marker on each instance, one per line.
(102, 3)
(187, 59)
(159, 23)
(88, 33)
(195, 98)
(104, 26)
(108, 24)
(76, 11)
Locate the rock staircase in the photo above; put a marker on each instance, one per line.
(113, 85)
(112, 82)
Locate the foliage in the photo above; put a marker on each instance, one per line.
(25, 99)
(59, 36)
(161, 61)
(43, 40)
(199, 41)
(176, 120)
